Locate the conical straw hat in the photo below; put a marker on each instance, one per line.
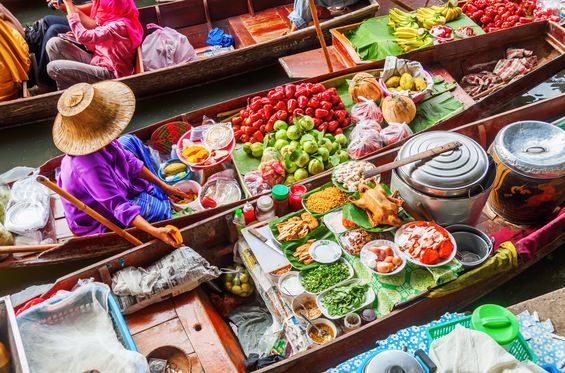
(92, 116)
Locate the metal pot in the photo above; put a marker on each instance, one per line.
(451, 188)
(396, 361)
(530, 179)
(473, 245)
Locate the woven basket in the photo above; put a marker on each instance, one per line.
(164, 137)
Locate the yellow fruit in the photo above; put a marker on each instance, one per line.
(393, 82)
(419, 84)
(246, 288)
(174, 168)
(236, 289)
(406, 81)
(244, 278)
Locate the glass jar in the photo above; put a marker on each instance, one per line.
(265, 209)
(280, 199)
(295, 197)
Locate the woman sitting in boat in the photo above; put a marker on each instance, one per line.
(301, 16)
(14, 56)
(110, 38)
(116, 178)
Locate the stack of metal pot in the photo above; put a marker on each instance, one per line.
(451, 188)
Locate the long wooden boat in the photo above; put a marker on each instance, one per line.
(546, 39)
(257, 27)
(189, 322)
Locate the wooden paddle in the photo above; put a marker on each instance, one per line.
(93, 214)
(320, 34)
(430, 153)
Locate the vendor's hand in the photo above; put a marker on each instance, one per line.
(69, 6)
(167, 235)
(174, 193)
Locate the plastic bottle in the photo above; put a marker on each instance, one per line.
(265, 209)
(248, 213)
(174, 154)
(280, 199)
(238, 220)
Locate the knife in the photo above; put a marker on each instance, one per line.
(269, 242)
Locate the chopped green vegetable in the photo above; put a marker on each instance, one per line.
(344, 299)
(324, 276)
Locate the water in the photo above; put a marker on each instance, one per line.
(32, 145)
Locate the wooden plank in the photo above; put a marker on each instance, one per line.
(310, 63)
(169, 333)
(151, 316)
(239, 29)
(265, 25)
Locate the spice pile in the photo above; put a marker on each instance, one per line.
(325, 200)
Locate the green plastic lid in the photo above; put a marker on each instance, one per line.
(280, 192)
(238, 212)
(496, 321)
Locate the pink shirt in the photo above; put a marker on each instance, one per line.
(110, 45)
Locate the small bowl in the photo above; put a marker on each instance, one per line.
(473, 245)
(225, 143)
(365, 255)
(190, 186)
(301, 299)
(322, 322)
(175, 179)
(329, 253)
(284, 290)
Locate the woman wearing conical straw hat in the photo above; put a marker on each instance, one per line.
(97, 169)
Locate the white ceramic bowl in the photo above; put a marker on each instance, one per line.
(407, 256)
(325, 251)
(190, 186)
(320, 322)
(284, 290)
(365, 256)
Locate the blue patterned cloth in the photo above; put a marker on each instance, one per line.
(547, 349)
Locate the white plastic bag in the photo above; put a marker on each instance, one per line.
(365, 139)
(395, 132)
(165, 47)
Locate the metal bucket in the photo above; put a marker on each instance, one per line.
(473, 245)
(447, 210)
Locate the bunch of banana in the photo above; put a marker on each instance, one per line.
(398, 18)
(428, 17)
(450, 11)
(409, 38)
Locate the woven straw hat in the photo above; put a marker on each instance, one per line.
(92, 116)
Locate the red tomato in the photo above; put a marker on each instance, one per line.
(445, 249)
(429, 256)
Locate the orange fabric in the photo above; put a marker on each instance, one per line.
(14, 61)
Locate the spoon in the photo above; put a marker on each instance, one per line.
(319, 331)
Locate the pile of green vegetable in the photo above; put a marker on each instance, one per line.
(322, 277)
(305, 150)
(344, 299)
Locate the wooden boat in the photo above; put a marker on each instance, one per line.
(257, 27)
(546, 39)
(211, 344)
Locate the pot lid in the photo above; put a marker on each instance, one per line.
(532, 148)
(496, 321)
(393, 361)
(452, 173)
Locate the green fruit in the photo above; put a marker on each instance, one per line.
(330, 137)
(269, 139)
(325, 143)
(300, 174)
(343, 156)
(247, 288)
(280, 125)
(302, 160)
(229, 277)
(335, 148)
(280, 143)
(244, 278)
(307, 137)
(315, 166)
(290, 179)
(257, 150)
(324, 153)
(293, 133)
(228, 286)
(236, 289)
(290, 167)
(281, 135)
(247, 148)
(295, 144)
(341, 139)
(236, 281)
(305, 122)
(310, 147)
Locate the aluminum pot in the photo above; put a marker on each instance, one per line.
(473, 245)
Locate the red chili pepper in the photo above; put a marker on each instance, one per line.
(291, 104)
(321, 113)
(236, 120)
(314, 102)
(208, 202)
(302, 101)
(332, 126)
(296, 112)
(282, 114)
(280, 106)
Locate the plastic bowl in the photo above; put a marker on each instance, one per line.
(365, 255)
(190, 186)
(284, 290)
(324, 322)
(175, 179)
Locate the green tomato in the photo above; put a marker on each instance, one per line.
(280, 125)
(307, 137)
(315, 166)
(302, 160)
(325, 143)
(300, 174)
(257, 149)
(280, 143)
(295, 144)
(290, 167)
(310, 147)
(341, 139)
(293, 133)
(281, 135)
(324, 153)
(247, 148)
(335, 148)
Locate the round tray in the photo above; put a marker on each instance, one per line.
(211, 161)
(417, 261)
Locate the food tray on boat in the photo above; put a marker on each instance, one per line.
(215, 157)
(349, 277)
(369, 299)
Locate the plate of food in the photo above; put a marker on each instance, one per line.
(382, 257)
(325, 251)
(324, 276)
(293, 227)
(349, 296)
(324, 199)
(347, 176)
(198, 155)
(425, 243)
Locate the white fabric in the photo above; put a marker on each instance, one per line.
(470, 351)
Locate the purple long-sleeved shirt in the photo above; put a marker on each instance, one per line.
(104, 181)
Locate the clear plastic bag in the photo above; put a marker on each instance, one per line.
(395, 132)
(365, 139)
(255, 183)
(222, 187)
(271, 167)
(366, 110)
(79, 336)
(29, 206)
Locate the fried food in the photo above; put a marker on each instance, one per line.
(302, 253)
(380, 208)
(325, 200)
(297, 227)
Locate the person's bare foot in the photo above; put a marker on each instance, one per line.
(290, 30)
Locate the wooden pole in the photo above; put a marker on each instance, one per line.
(320, 34)
(26, 248)
(93, 214)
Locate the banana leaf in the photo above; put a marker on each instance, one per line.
(244, 161)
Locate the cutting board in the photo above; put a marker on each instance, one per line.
(268, 258)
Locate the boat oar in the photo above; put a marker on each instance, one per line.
(93, 214)
(416, 157)
(320, 34)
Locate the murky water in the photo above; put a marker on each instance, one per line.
(32, 145)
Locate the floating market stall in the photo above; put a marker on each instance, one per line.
(435, 91)
(348, 261)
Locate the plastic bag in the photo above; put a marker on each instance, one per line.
(255, 183)
(271, 167)
(79, 336)
(222, 188)
(395, 132)
(366, 110)
(29, 206)
(365, 139)
(165, 47)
